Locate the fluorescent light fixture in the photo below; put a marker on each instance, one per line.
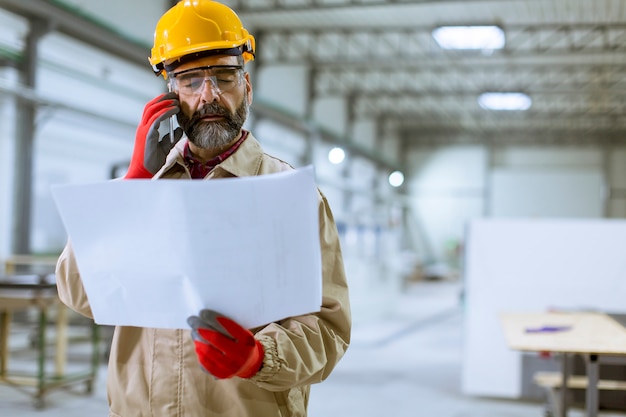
(396, 178)
(336, 155)
(469, 37)
(504, 101)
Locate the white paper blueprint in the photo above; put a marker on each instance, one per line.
(152, 253)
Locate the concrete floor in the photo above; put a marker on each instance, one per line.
(403, 363)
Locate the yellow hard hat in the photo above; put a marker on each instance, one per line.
(195, 28)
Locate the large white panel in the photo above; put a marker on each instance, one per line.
(533, 265)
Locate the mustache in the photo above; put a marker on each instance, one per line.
(211, 109)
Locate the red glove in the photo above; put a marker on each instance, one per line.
(150, 148)
(224, 348)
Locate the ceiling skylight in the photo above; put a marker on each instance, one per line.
(469, 37)
(504, 101)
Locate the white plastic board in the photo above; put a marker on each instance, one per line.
(533, 265)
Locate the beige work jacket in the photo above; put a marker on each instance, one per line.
(155, 372)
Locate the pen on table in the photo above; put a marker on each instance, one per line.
(547, 329)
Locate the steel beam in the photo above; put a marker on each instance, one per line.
(80, 27)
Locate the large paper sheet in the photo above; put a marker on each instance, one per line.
(152, 253)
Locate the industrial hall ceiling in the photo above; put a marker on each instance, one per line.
(567, 56)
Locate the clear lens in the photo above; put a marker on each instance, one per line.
(223, 78)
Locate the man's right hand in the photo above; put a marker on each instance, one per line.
(150, 148)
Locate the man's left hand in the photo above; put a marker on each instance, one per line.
(224, 348)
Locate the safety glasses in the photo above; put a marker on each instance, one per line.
(222, 78)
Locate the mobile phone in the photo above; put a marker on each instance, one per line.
(171, 119)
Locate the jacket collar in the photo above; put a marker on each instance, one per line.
(246, 161)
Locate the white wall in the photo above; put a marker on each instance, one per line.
(449, 185)
(446, 186)
(567, 193)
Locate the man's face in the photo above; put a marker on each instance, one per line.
(212, 118)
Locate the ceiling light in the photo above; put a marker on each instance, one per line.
(504, 101)
(396, 178)
(336, 155)
(469, 37)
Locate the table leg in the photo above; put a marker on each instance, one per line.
(41, 357)
(564, 377)
(61, 340)
(592, 385)
(5, 324)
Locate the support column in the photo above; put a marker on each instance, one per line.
(607, 165)
(24, 149)
(312, 135)
(489, 165)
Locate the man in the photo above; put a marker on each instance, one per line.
(216, 367)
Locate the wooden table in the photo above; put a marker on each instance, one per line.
(20, 295)
(14, 262)
(588, 334)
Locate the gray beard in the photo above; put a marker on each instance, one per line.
(216, 135)
(213, 135)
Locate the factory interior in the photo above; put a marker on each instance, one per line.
(473, 154)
